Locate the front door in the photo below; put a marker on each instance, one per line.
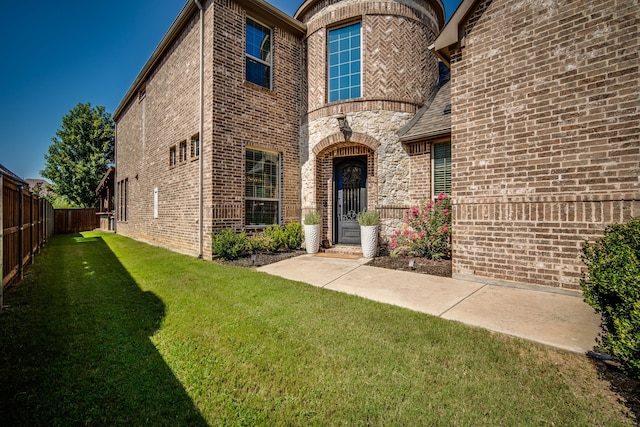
(351, 197)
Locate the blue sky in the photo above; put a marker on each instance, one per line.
(58, 54)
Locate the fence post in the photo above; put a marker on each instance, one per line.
(20, 231)
(1, 241)
(31, 260)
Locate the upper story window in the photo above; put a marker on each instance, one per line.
(258, 53)
(345, 58)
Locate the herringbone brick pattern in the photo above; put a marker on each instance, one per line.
(395, 66)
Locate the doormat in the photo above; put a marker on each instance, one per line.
(334, 255)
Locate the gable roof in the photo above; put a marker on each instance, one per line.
(452, 32)
(434, 118)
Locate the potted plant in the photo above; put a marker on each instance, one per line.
(312, 232)
(369, 221)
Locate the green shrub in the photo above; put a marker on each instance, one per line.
(278, 235)
(368, 218)
(259, 242)
(312, 218)
(294, 235)
(612, 287)
(228, 244)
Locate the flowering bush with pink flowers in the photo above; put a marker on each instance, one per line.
(426, 231)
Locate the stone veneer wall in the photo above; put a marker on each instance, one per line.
(399, 74)
(545, 135)
(389, 174)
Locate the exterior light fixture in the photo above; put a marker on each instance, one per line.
(343, 125)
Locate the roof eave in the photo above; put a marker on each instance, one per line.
(451, 34)
(308, 4)
(442, 133)
(259, 7)
(178, 24)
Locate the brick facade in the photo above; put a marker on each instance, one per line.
(237, 115)
(545, 125)
(545, 135)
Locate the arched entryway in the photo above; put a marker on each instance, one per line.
(345, 185)
(350, 197)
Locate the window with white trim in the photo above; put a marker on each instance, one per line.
(195, 146)
(183, 151)
(258, 54)
(173, 156)
(262, 188)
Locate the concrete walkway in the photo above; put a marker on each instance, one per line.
(558, 319)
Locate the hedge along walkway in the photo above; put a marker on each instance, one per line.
(109, 330)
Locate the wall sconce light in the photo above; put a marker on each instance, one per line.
(343, 125)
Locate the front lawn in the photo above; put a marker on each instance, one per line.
(106, 330)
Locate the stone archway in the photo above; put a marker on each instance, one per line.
(328, 153)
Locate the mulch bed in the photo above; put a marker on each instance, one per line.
(420, 265)
(261, 258)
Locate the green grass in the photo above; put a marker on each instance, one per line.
(106, 330)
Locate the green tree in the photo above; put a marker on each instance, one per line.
(80, 154)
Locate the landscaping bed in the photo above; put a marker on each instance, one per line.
(420, 265)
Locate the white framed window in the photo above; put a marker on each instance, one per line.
(173, 156)
(345, 62)
(195, 146)
(183, 151)
(258, 54)
(262, 188)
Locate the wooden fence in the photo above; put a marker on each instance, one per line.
(26, 223)
(76, 220)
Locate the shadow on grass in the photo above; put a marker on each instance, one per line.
(75, 347)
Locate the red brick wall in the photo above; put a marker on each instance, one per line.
(545, 135)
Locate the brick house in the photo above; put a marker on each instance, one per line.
(245, 116)
(545, 128)
(272, 148)
(207, 135)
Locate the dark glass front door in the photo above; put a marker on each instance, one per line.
(351, 197)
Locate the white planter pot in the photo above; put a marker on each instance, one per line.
(369, 240)
(312, 238)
